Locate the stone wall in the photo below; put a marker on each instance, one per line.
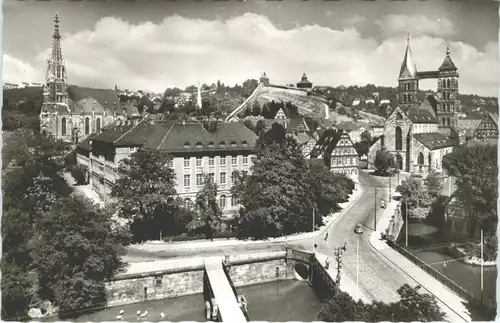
(167, 284)
(259, 272)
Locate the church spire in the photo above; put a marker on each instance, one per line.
(56, 41)
(408, 67)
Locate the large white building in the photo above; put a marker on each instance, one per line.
(216, 149)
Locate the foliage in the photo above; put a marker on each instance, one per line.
(208, 216)
(277, 198)
(490, 249)
(476, 171)
(366, 136)
(383, 162)
(80, 174)
(362, 148)
(146, 192)
(413, 306)
(434, 183)
(74, 251)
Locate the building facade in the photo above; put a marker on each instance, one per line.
(219, 150)
(487, 128)
(336, 148)
(72, 113)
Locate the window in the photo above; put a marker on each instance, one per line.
(234, 160)
(211, 177)
(222, 161)
(186, 161)
(222, 201)
(222, 178)
(198, 161)
(87, 126)
(233, 177)
(211, 161)
(245, 174)
(188, 204)
(63, 126)
(234, 200)
(399, 139)
(187, 180)
(98, 125)
(245, 160)
(199, 179)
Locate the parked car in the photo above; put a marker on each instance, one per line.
(382, 204)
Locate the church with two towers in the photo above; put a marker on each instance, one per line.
(418, 133)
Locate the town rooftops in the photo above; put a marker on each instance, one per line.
(467, 126)
(327, 142)
(422, 114)
(191, 136)
(126, 133)
(433, 140)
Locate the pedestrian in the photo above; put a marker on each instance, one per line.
(327, 263)
(326, 236)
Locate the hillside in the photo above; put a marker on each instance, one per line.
(21, 108)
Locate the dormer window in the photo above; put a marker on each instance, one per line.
(233, 143)
(186, 144)
(222, 144)
(211, 144)
(244, 143)
(199, 145)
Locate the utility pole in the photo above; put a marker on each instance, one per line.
(338, 256)
(375, 221)
(390, 185)
(314, 222)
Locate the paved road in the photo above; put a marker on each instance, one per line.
(377, 279)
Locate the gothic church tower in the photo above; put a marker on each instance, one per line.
(447, 92)
(407, 81)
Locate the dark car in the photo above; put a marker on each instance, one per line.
(358, 229)
(382, 204)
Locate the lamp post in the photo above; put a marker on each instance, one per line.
(390, 188)
(338, 256)
(314, 224)
(359, 231)
(406, 222)
(482, 261)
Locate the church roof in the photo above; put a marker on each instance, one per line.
(433, 140)
(408, 68)
(84, 100)
(422, 114)
(447, 64)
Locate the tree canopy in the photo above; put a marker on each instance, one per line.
(475, 169)
(413, 306)
(384, 161)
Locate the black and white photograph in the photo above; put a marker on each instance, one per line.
(249, 160)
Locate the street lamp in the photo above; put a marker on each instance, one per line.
(359, 231)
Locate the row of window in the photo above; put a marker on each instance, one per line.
(200, 178)
(343, 161)
(211, 161)
(188, 204)
(446, 96)
(407, 98)
(446, 84)
(447, 107)
(345, 151)
(64, 129)
(346, 171)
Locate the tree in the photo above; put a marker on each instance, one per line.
(80, 174)
(383, 162)
(277, 193)
(256, 109)
(366, 137)
(476, 171)
(362, 148)
(74, 251)
(208, 217)
(412, 307)
(145, 190)
(434, 183)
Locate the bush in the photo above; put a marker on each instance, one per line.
(79, 173)
(191, 237)
(490, 249)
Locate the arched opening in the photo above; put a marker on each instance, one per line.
(234, 200)
(399, 139)
(98, 125)
(222, 201)
(405, 98)
(448, 83)
(87, 126)
(188, 204)
(399, 162)
(63, 126)
(448, 122)
(443, 121)
(301, 271)
(44, 133)
(420, 162)
(399, 116)
(430, 161)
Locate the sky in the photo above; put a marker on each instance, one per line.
(152, 45)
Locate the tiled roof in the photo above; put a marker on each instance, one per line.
(433, 140)
(125, 133)
(448, 64)
(192, 136)
(83, 99)
(422, 114)
(85, 144)
(494, 117)
(408, 68)
(467, 126)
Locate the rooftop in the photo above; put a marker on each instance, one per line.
(189, 136)
(125, 133)
(433, 140)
